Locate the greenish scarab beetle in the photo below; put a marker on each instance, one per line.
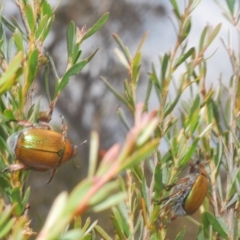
(189, 191)
(40, 148)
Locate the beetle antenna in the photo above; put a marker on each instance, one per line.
(85, 141)
(76, 146)
(21, 123)
(74, 164)
(52, 174)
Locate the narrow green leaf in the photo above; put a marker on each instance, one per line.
(200, 235)
(120, 97)
(189, 53)
(4, 217)
(42, 26)
(77, 194)
(193, 114)
(202, 38)
(158, 183)
(96, 26)
(228, 16)
(170, 108)
(118, 222)
(47, 28)
(6, 229)
(144, 152)
(32, 66)
(181, 234)
(122, 58)
(74, 234)
(142, 42)
(123, 118)
(144, 189)
(8, 24)
(234, 199)
(218, 159)
(121, 184)
(231, 4)
(103, 192)
(26, 198)
(20, 96)
(189, 152)
(18, 39)
(218, 225)
(90, 228)
(76, 53)
(54, 214)
(11, 50)
(30, 17)
(111, 201)
(190, 71)
(17, 199)
(9, 77)
(102, 233)
(87, 228)
(147, 132)
(46, 9)
(46, 83)
(138, 224)
(206, 129)
(128, 91)
(136, 66)
(17, 25)
(186, 30)
(75, 69)
(208, 98)
(148, 94)
(3, 41)
(176, 9)
(156, 83)
(70, 38)
(124, 215)
(164, 65)
(216, 113)
(123, 48)
(214, 33)
(55, 73)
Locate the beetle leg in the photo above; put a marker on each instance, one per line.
(15, 167)
(170, 218)
(64, 127)
(172, 196)
(22, 123)
(181, 181)
(27, 124)
(44, 125)
(61, 152)
(52, 175)
(168, 199)
(64, 134)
